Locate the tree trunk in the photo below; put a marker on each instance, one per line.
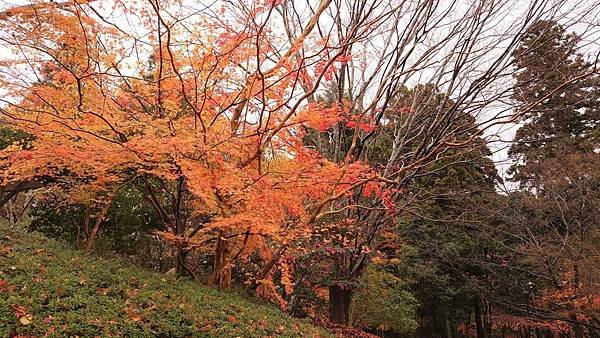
(10, 211)
(82, 235)
(340, 299)
(92, 235)
(488, 319)
(467, 324)
(454, 329)
(448, 328)
(478, 323)
(180, 267)
(221, 275)
(577, 330)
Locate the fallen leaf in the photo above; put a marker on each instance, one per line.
(7, 250)
(19, 310)
(3, 285)
(26, 319)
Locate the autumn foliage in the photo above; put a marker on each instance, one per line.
(307, 150)
(216, 126)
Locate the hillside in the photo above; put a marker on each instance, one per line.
(49, 289)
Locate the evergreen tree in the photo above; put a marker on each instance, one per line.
(557, 100)
(555, 216)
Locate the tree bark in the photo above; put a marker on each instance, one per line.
(10, 212)
(8, 192)
(488, 319)
(221, 275)
(478, 323)
(92, 235)
(448, 328)
(467, 324)
(180, 267)
(340, 300)
(82, 235)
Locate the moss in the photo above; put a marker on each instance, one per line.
(70, 293)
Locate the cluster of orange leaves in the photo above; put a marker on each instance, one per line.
(573, 299)
(517, 323)
(169, 117)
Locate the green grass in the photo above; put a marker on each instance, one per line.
(47, 288)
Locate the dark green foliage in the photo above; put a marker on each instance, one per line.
(559, 102)
(442, 263)
(131, 219)
(443, 249)
(57, 220)
(127, 229)
(384, 302)
(10, 136)
(74, 294)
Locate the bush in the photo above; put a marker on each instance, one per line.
(383, 302)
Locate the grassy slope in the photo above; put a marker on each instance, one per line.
(57, 290)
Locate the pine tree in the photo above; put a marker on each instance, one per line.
(556, 154)
(557, 100)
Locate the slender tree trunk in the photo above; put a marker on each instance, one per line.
(26, 205)
(180, 268)
(577, 330)
(221, 275)
(86, 229)
(92, 234)
(448, 328)
(182, 251)
(340, 300)
(78, 238)
(454, 329)
(10, 212)
(478, 322)
(488, 321)
(467, 324)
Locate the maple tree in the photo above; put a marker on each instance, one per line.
(210, 127)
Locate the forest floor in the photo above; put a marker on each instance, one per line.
(49, 289)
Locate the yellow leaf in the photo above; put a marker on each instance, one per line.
(26, 319)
